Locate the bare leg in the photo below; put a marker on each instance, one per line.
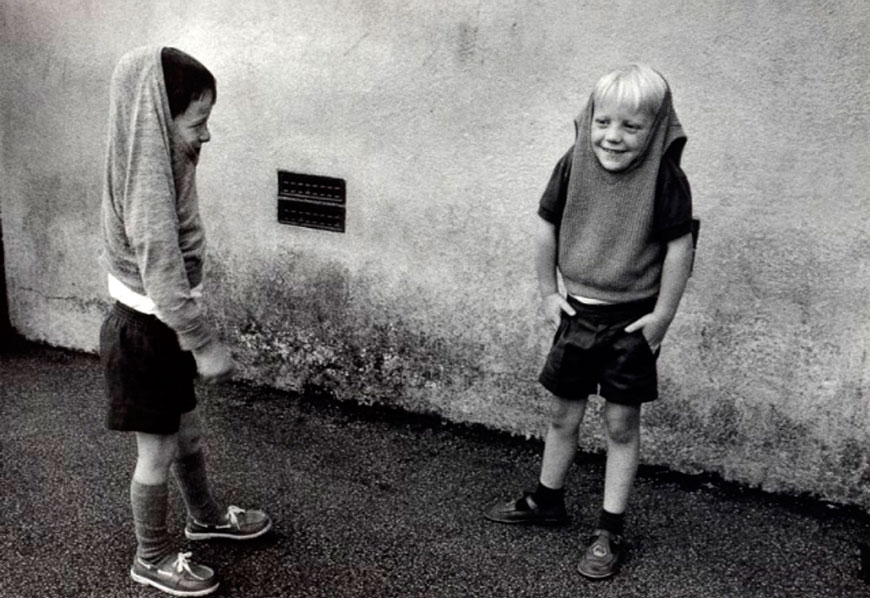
(546, 505)
(560, 446)
(156, 452)
(623, 454)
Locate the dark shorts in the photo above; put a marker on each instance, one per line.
(592, 354)
(148, 378)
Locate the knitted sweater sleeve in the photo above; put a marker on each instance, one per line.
(142, 244)
(152, 229)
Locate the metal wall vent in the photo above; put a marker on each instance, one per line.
(311, 201)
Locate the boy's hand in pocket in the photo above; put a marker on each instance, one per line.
(553, 305)
(653, 328)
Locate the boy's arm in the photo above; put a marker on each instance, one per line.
(152, 229)
(552, 303)
(550, 209)
(675, 274)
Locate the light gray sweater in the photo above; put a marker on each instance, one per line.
(153, 239)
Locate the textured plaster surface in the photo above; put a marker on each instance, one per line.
(445, 121)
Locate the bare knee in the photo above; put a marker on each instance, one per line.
(566, 415)
(189, 439)
(621, 433)
(623, 425)
(156, 452)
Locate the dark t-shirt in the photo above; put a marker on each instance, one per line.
(672, 216)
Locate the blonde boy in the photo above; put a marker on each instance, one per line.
(615, 221)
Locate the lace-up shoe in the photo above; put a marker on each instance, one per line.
(239, 524)
(176, 575)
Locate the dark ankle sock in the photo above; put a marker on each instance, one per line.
(192, 481)
(150, 505)
(612, 522)
(548, 497)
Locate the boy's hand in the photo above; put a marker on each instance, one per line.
(214, 362)
(553, 305)
(653, 327)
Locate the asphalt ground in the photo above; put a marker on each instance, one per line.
(374, 503)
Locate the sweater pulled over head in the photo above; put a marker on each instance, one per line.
(607, 250)
(153, 239)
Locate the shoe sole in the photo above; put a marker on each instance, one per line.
(597, 577)
(145, 581)
(225, 536)
(543, 522)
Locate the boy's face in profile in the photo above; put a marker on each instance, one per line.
(193, 123)
(619, 134)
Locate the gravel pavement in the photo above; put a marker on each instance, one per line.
(373, 503)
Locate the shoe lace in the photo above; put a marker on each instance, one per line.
(182, 564)
(233, 513)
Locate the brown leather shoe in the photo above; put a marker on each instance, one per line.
(603, 557)
(525, 510)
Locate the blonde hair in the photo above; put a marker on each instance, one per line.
(636, 86)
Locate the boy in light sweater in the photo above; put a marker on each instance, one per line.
(156, 338)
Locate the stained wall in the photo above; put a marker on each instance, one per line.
(445, 120)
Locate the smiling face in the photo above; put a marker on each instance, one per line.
(619, 134)
(192, 124)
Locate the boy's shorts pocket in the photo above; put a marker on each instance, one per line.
(630, 375)
(645, 342)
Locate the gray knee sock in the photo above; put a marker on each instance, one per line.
(192, 480)
(150, 504)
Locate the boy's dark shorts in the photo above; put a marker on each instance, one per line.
(592, 349)
(148, 378)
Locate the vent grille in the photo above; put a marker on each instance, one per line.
(311, 201)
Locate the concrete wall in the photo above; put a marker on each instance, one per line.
(445, 119)
(5, 326)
